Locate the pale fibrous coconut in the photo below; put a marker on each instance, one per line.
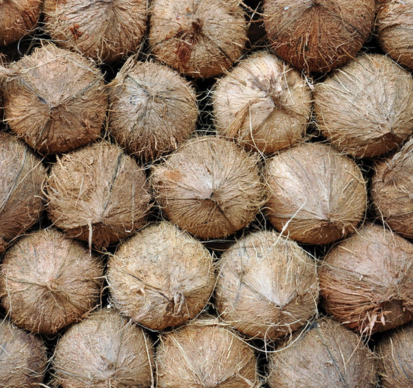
(152, 109)
(317, 195)
(267, 286)
(318, 35)
(363, 108)
(263, 103)
(48, 281)
(201, 39)
(366, 281)
(161, 277)
(98, 194)
(209, 187)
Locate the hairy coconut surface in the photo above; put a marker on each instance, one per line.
(209, 187)
(103, 30)
(267, 286)
(263, 103)
(152, 109)
(198, 38)
(98, 194)
(161, 277)
(22, 358)
(104, 350)
(204, 354)
(366, 281)
(318, 35)
(55, 100)
(48, 281)
(317, 195)
(363, 108)
(325, 355)
(21, 178)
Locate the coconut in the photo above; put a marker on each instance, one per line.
(209, 187)
(201, 38)
(21, 178)
(22, 358)
(104, 350)
(317, 195)
(55, 100)
(263, 103)
(318, 35)
(324, 355)
(363, 108)
(152, 109)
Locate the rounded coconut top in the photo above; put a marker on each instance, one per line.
(317, 195)
(318, 35)
(267, 286)
(263, 103)
(55, 100)
(201, 39)
(48, 281)
(209, 187)
(152, 109)
(164, 283)
(324, 355)
(366, 281)
(364, 107)
(104, 350)
(98, 194)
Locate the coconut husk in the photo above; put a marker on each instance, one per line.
(317, 195)
(201, 38)
(152, 109)
(366, 281)
(163, 284)
(363, 108)
(209, 187)
(318, 35)
(267, 286)
(324, 355)
(263, 103)
(104, 350)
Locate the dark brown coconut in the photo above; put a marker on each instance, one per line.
(105, 350)
(364, 108)
(55, 100)
(366, 281)
(48, 281)
(201, 38)
(317, 195)
(263, 103)
(209, 187)
(318, 35)
(21, 178)
(152, 109)
(267, 286)
(22, 358)
(325, 355)
(205, 355)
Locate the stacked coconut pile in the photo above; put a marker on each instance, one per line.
(206, 194)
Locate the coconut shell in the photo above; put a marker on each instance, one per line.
(364, 108)
(324, 355)
(104, 350)
(98, 194)
(21, 178)
(209, 187)
(263, 103)
(161, 284)
(201, 39)
(152, 109)
(56, 100)
(317, 195)
(366, 281)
